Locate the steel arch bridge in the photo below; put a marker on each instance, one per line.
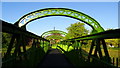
(23, 21)
(53, 31)
(54, 35)
(40, 46)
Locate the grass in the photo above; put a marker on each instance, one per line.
(65, 47)
(112, 52)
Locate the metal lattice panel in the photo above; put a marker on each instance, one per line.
(53, 31)
(59, 12)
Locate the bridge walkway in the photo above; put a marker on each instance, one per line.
(55, 59)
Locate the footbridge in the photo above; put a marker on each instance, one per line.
(41, 53)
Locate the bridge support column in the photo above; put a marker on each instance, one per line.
(105, 48)
(97, 52)
(23, 42)
(43, 43)
(98, 48)
(107, 57)
(17, 46)
(10, 46)
(91, 49)
(34, 43)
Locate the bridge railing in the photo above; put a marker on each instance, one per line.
(21, 56)
(96, 59)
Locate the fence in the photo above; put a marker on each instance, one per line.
(115, 61)
(27, 58)
(96, 59)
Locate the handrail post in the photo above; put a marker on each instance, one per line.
(98, 48)
(117, 61)
(113, 61)
(91, 49)
(10, 46)
(17, 46)
(106, 51)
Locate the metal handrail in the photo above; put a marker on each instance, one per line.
(10, 28)
(102, 35)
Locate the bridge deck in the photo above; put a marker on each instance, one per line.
(55, 59)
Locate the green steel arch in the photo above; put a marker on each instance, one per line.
(55, 37)
(60, 12)
(53, 31)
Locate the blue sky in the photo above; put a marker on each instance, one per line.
(59, 0)
(106, 13)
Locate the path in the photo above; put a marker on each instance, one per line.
(55, 59)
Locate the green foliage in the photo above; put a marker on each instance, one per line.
(109, 29)
(114, 42)
(76, 30)
(5, 39)
(53, 32)
(65, 47)
(55, 37)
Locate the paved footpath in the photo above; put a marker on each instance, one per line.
(55, 59)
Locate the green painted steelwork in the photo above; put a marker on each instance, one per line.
(10, 28)
(60, 12)
(39, 48)
(98, 58)
(102, 35)
(53, 31)
(55, 37)
(18, 55)
(40, 43)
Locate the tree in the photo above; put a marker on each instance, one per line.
(5, 39)
(55, 37)
(114, 42)
(76, 30)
